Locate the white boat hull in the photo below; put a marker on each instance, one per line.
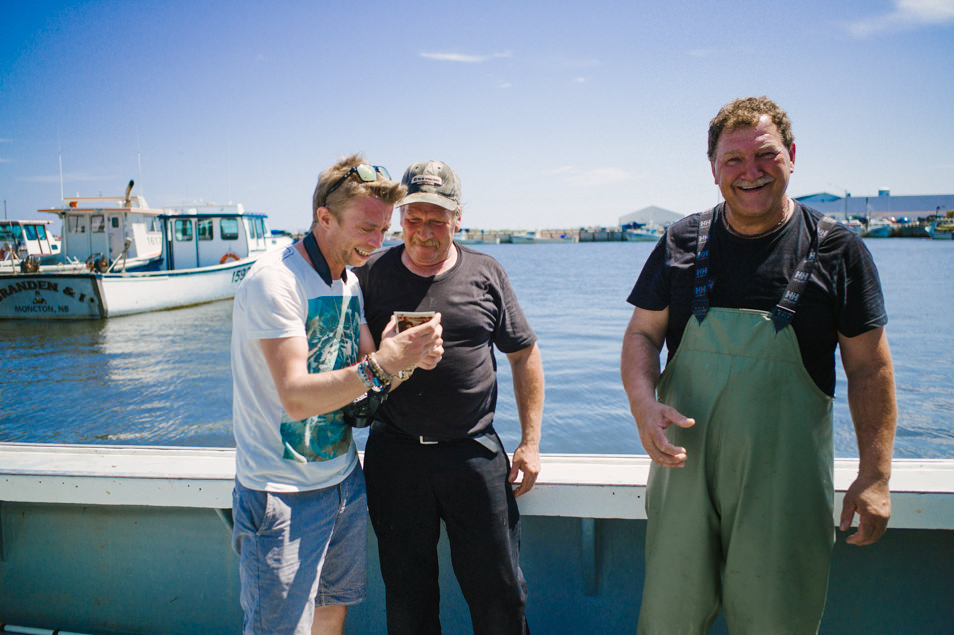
(878, 231)
(78, 296)
(519, 239)
(633, 235)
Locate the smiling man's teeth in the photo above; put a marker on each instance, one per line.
(363, 253)
(754, 186)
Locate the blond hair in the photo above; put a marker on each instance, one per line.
(385, 190)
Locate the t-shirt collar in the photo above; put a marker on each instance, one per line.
(318, 261)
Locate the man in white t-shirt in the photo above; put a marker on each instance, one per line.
(301, 352)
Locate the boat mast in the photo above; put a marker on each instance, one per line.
(142, 192)
(59, 152)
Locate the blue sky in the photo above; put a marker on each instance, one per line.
(554, 114)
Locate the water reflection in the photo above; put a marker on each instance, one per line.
(159, 377)
(163, 378)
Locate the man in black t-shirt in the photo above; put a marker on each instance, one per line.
(432, 454)
(751, 298)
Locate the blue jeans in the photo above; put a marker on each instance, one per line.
(299, 550)
(411, 489)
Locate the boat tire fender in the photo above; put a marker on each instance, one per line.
(227, 256)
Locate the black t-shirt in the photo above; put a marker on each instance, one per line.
(843, 295)
(478, 310)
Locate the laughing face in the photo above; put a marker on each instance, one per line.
(355, 232)
(752, 167)
(428, 233)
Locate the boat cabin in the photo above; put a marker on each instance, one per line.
(98, 227)
(124, 234)
(20, 239)
(212, 234)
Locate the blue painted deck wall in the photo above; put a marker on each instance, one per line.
(99, 569)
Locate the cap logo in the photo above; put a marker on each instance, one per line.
(425, 179)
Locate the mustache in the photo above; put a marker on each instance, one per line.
(430, 242)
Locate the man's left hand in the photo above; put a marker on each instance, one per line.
(526, 459)
(871, 500)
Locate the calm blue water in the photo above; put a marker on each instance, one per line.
(163, 378)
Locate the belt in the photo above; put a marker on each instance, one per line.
(427, 440)
(485, 437)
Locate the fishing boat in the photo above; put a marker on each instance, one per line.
(120, 539)
(854, 225)
(642, 232)
(878, 228)
(942, 229)
(26, 243)
(120, 257)
(537, 237)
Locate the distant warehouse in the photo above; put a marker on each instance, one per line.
(650, 215)
(882, 205)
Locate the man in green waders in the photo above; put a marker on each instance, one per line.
(751, 299)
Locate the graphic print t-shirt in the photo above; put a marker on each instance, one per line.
(283, 296)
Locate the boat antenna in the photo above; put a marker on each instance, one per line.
(59, 152)
(139, 161)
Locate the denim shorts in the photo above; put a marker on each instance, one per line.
(298, 551)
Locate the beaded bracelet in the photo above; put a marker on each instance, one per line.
(367, 376)
(383, 376)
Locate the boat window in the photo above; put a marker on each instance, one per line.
(229, 228)
(30, 232)
(41, 232)
(97, 224)
(183, 229)
(204, 229)
(154, 224)
(115, 222)
(77, 224)
(260, 228)
(9, 232)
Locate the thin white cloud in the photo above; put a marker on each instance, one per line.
(700, 52)
(597, 177)
(579, 80)
(463, 57)
(5, 140)
(67, 178)
(505, 85)
(907, 14)
(2, 160)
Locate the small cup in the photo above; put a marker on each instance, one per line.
(409, 319)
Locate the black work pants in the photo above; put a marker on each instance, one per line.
(411, 488)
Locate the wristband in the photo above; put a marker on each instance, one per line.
(382, 375)
(367, 376)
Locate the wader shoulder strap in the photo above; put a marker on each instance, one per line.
(784, 311)
(700, 298)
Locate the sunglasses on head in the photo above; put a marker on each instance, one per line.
(366, 172)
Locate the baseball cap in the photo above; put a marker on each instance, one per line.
(431, 182)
